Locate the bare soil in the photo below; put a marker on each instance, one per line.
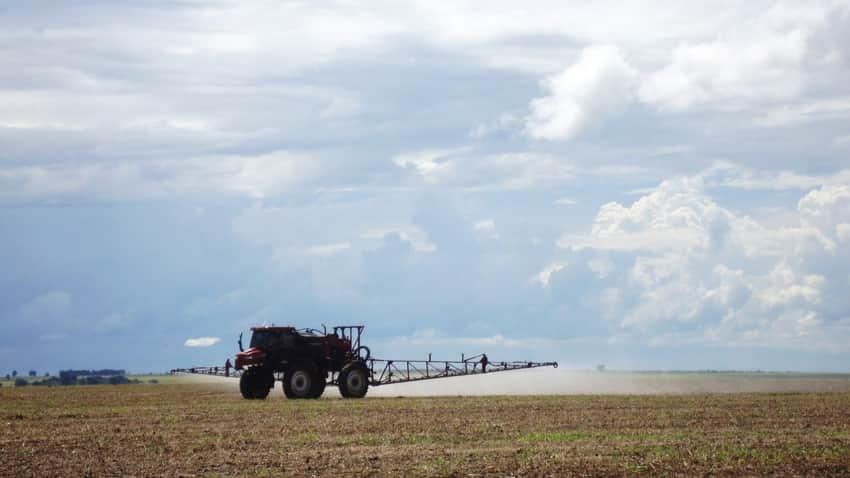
(196, 430)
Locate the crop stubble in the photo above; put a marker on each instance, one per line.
(189, 430)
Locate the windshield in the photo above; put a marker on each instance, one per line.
(259, 339)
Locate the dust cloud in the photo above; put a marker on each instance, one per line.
(566, 382)
(571, 382)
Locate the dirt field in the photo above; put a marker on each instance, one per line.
(198, 430)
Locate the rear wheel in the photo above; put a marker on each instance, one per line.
(354, 380)
(300, 380)
(254, 384)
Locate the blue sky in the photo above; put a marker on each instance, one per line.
(651, 185)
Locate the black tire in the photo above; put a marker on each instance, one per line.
(354, 380)
(300, 379)
(254, 384)
(261, 392)
(319, 385)
(244, 387)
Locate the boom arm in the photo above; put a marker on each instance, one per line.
(385, 372)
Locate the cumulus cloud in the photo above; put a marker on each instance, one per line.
(728, 68)
(594, 88)
(698, 272)
(672, 216)
(827, 208)
(764, 59)
(201, 342)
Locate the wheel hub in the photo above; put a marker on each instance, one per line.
(300, 383)
(355, 382)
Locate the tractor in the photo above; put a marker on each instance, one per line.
(302, 359)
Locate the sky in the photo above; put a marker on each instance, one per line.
(645, 185)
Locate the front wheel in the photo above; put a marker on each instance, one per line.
(354, 380)
(254, 384)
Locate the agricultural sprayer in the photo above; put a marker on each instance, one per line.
(307, 360)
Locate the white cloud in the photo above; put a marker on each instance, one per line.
(818, 110)
(432, 165)
(487, 227)
(545, 275)
(504, 123)
(596, 87)
(499, 35)
(734, 176)
(466, 170)
(785, 286)
(327, 250)
(674, 216)
(770, 58)
(701, 273)
(258, 176)
(412, 234)
(826, 208)
(762, 61)
(728, 69)
(201, 342)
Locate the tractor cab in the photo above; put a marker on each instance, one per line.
(265, 343)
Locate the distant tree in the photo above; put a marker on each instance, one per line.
(600, 367)
(33, 373)
(93, 380)
(118, 379)
(8, 377)
(46, 374)
(14, 373)
(67, 377)
(21, 382)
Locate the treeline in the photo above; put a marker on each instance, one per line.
(89, 377)
(82, 377)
